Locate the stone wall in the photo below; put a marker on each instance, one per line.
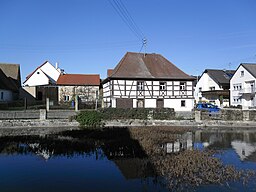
(186, 115)
(228, 115)
(28, 114)
(37, 114)
(60, 114)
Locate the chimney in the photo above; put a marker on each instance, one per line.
(56, 65)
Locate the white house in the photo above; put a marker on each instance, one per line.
(41, 83)
(242, 86)
(213, 87)
(150, 81)
(45, 74)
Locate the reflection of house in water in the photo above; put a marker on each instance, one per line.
(129, 157)
(207, 139)
(244, 150)
(38, 150)
(243, 142)
(185, 142)
(134, 168)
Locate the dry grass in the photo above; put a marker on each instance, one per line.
(187, 168)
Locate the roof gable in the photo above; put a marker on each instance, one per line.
(148, 66)
(7, 83)
(221, 77)
(79, 79)
(12, 71)
(49, 71)
(250, 67)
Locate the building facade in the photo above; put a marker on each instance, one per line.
(85, 86)
(213, 87)
(10, 82)
(242, 86)
(148, 81)
(41, 83)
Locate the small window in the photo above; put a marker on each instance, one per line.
(66, 97)
(200, 89)
(182, 85)
(162, 86)
(140, 85)
(37, 72)
(242, 73)
(212, 88)
(183, 103)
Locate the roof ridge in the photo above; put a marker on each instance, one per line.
(119, 64)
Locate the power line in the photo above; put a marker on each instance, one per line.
(131, 19)
(124, 14)
(68, 47)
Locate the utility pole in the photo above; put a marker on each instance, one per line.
(144, 44)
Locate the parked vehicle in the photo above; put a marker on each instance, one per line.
(207, 107)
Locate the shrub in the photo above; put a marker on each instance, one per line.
(89, 119)
(137, 113)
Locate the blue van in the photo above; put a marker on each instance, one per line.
(207, 107)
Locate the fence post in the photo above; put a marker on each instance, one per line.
(198, 116)
(43, 114)
(246, 115)
(47, 104)
(76, 103)
(25, 103)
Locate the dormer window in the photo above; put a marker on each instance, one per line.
(242, 73)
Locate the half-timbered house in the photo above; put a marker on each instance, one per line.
(148, 81)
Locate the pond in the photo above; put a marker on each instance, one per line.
(129, 159)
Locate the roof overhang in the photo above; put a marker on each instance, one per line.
(148, 79)
(216, 93)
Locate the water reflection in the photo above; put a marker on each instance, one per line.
(115, 145)
(183, 142)
(242, 142)
(135, 153)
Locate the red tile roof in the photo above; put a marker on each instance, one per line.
(78, 79)
(150, 66)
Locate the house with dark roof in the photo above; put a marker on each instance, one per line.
(213, 86)
(148, 81)
(10, 81)
(85, 86)
(242, 86)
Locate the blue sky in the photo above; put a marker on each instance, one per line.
(88, 36)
